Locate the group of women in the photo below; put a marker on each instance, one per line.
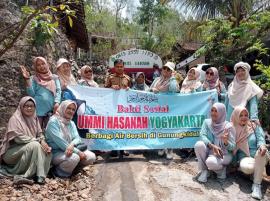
(41, 130)
(233, 134)
(239, 140)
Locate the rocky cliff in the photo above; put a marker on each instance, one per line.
(12, 86)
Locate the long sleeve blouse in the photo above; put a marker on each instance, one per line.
(55, 139)
(44, 98)
(255, 140)
(252, 107)
(207, 136)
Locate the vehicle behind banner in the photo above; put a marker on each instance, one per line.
(137, 60)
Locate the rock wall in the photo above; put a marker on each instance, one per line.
(12, 86)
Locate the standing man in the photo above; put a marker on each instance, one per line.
(118, 80)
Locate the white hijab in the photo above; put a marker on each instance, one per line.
(240, 92)
(189, 85)
(60, 115)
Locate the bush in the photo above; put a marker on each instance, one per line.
(264, 104)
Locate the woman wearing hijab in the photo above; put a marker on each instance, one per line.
(63, 137)
(24, 152)
(44, 87)
(87, 77)
(212, 82)
(166, 83)
(250, 151)
(192, 82)
(243, 92)
(140, 82)
(217, 142)
(63, 68)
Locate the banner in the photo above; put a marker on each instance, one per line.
(129, 120)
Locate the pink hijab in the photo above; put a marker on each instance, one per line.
(46, 80)
(242, 132)
(215, 81)
(20, 125)
(219, 126)
(90, 82)
(66, 78)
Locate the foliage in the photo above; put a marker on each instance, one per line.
(150, 13)
(99, 21)
(225, 44)
(45, 23)
(103, 50)
(154, 26)
(191, 31)
(119, 5)
(161, 25)
(234, 10)
(168, 32)
(44, 28)
(264, 82)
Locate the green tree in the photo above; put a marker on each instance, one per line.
(161, 25)
(44, 22)
(99, 20)
(264, 82)
(119, 5)
(168, 32)
(150, 13)
(225, 44)
(234, 10)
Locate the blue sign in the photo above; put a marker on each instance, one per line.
(129, 119)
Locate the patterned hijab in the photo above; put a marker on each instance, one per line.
(60, 115)
(66, 77)
(44, 79)
(19, 125)
(189, 85)
(242, 132)
(214, 82)
(241, 91)
(141, 87)
(90, 82)
(161, 83)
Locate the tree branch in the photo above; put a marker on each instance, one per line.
(21, 29)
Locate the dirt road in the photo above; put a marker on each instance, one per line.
(137, 178)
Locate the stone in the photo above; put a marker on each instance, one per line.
(4, 198)
(68, 196)
(84, 195)
(81, 185)
(35, 188)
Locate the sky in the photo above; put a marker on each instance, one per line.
(132, 5)
(130, 9)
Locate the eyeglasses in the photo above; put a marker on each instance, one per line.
(210, 73)
(29, 106)
(88, 71)
(166, 68)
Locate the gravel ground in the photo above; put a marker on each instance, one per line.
(137, 177)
